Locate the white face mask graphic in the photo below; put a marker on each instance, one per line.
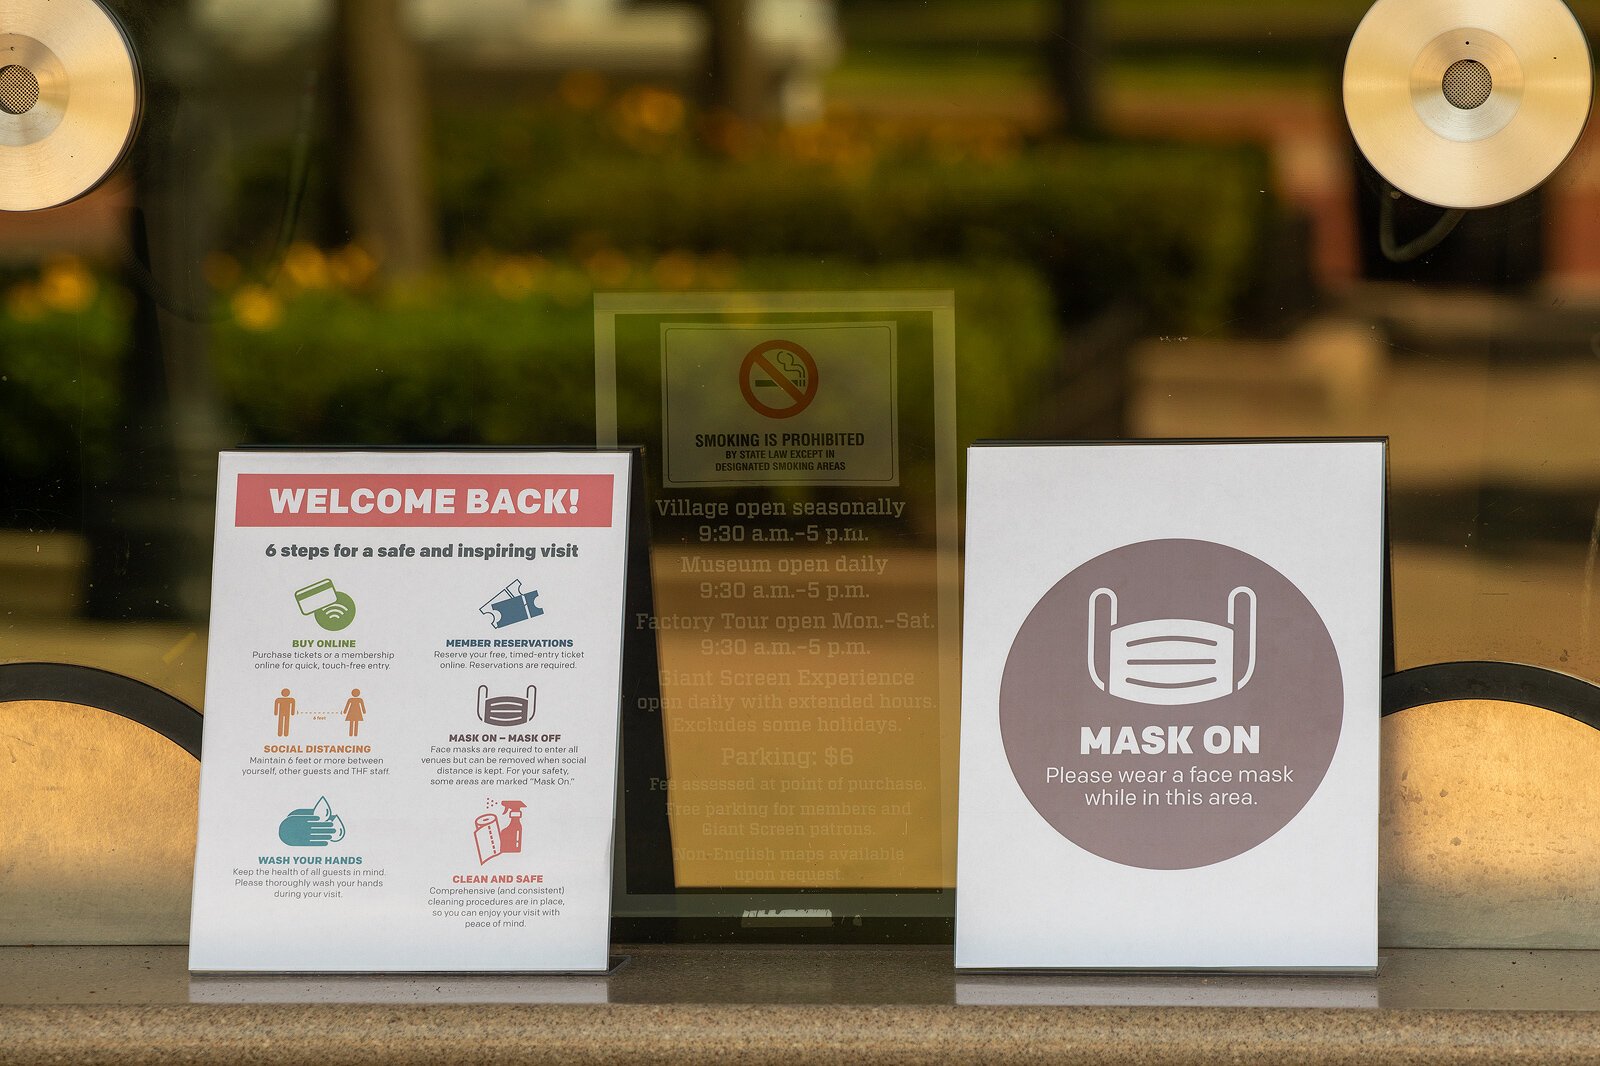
(1171, 662)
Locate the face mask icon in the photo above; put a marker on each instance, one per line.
(506, 710)
(1174, 662)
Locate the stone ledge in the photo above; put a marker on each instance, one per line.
(816, 1035)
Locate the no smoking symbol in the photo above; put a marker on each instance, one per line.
(778, 379)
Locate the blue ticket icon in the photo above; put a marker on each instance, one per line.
(511, 605)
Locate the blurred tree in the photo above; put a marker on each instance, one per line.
(149, 516)
(732, 79)
(380, 135)
(1072, 60)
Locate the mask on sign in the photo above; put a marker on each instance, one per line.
(1171, 662)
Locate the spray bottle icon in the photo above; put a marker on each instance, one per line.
(494, 838)
(511, 832)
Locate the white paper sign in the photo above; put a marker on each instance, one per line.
(744, 405)
(1169, 743)
(410, 742)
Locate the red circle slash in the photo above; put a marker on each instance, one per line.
(792, 387)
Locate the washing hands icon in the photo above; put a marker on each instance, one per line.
(312, 827)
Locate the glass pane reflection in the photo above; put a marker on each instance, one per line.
(376, 222)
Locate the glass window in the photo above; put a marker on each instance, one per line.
(419, 223)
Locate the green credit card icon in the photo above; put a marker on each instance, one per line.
(315, 597)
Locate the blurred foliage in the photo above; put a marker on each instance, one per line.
(1021, 23)
(1176, 23)
(497, 352)
(1173, 230)
(61, 332)
(856, 193)
(597, 188)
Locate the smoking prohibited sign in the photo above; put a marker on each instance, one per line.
(809, 403)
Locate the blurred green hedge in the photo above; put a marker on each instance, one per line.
(58, 402)
(1176, 231)
(499, 355)
(463, 365)
(540, 205)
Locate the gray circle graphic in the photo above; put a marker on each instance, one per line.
(1171, 704)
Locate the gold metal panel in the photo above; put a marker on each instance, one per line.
(97, 841)
(1489, 839)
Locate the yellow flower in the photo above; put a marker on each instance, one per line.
(659, 111)
(257, 308)
(306, 266)
(66, 285)
(352, 266)
(675, 270)
(516, 277)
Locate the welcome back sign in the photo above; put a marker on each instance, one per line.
(411, 712)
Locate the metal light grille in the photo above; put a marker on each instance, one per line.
(1468, 84)
(19, 90)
